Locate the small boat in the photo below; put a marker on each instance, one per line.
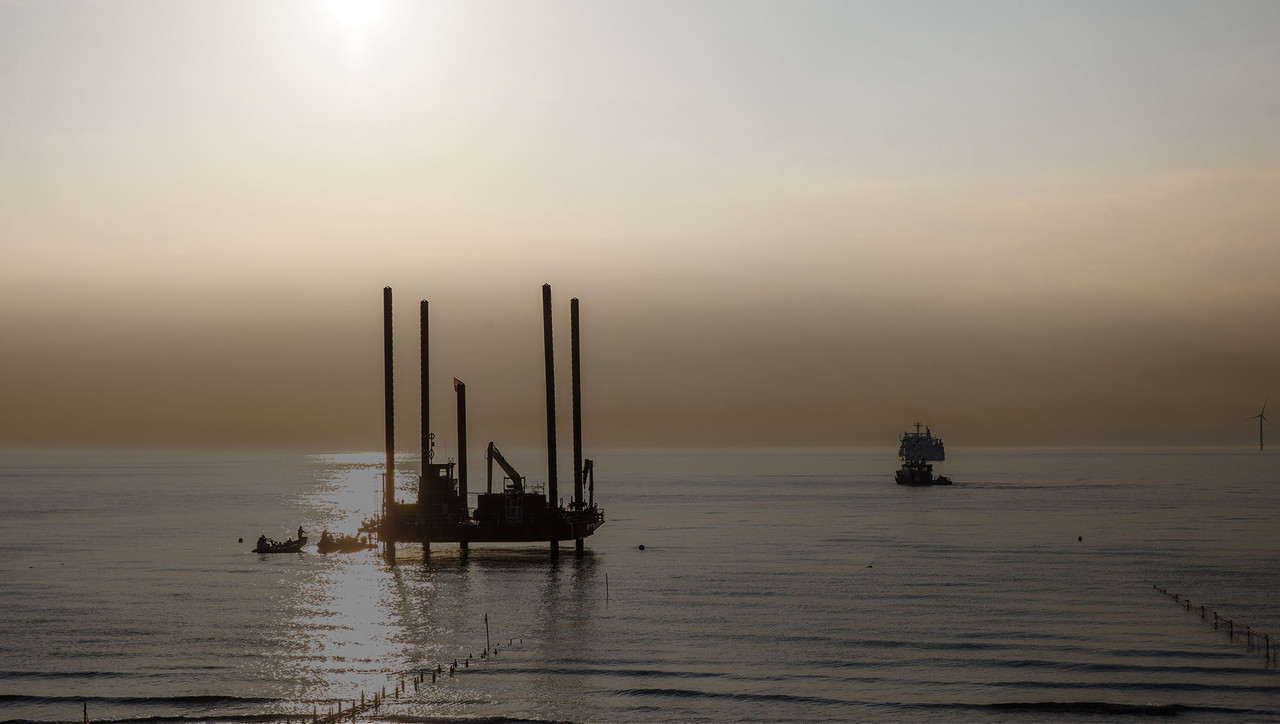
(916, 450)
(266, 545)
(341, 544)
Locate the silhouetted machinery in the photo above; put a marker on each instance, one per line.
(514, 480)
(517, 512)
(515, 504)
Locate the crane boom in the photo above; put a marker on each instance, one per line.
(517, 480)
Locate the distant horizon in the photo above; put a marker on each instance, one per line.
(523, 454)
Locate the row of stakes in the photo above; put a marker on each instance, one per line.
(1254, 640)
(417, 678)
(369, 703)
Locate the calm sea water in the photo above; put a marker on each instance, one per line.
(773, 586)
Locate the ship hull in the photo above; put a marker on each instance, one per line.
(919, 475)
(405, 524)
(471, 533)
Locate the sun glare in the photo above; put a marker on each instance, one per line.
(355, 16)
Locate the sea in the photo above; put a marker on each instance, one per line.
(725, 586)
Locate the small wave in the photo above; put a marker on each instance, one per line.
(410, 719)
(71, 675)
(195, 700)
(697, 694)
(382, 717)
(163, 719)
(1174, 686)
(1104, 708)
(626, 673)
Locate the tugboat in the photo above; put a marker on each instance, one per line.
(916, 450)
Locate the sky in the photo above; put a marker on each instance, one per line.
(789, 223)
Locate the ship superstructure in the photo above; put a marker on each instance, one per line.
(918, 450)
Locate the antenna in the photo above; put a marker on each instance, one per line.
(1261, 417)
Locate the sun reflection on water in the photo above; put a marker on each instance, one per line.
(360, 626)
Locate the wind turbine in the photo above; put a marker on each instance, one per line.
(1261, 417)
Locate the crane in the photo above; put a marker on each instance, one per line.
(516, 479)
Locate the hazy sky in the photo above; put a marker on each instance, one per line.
(790, 223)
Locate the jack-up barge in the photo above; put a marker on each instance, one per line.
(517, 513)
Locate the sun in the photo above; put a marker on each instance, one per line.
(355, 16)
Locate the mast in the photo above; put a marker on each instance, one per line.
(388, 480)
(423, 482)
(549, 367)
(575, 360)
(461, 389)
(425, 393)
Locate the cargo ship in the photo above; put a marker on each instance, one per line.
(918, 450)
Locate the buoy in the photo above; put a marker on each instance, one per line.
(240, 540)
(641, 546)
(1080, 538)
